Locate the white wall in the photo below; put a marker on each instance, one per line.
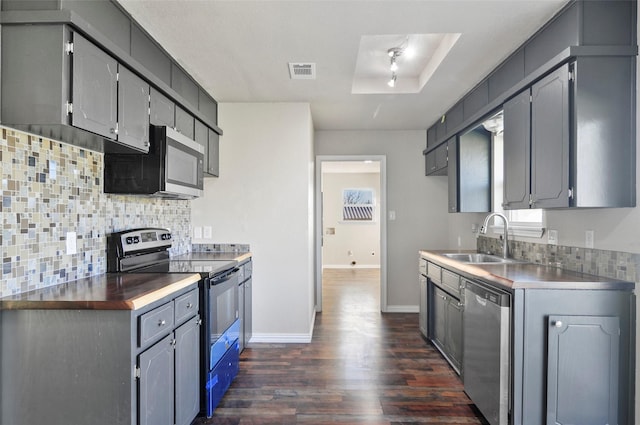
(420, 203)
(360, 238)
(264, 197)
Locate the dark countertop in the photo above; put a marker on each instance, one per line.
(525, 275)
(111, 291)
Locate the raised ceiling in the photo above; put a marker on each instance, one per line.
(240, 51)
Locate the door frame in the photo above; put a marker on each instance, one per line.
(382, 159)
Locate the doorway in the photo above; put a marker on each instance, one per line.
(350, 225)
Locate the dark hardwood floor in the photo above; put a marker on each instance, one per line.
(362, 367)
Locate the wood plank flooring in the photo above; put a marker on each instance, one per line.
(362, 367)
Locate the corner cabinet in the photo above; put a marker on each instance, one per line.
(565, 134)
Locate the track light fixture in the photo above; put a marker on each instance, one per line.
(394, 53)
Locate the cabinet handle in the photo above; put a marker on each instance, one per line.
(189, 305)
(162, 322)
(558, 324)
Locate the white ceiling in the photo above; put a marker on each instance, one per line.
(239, 50)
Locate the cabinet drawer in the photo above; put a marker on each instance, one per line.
(154, 324)
(186, 306)
(433, 272)
(451, 283)
(422, 266)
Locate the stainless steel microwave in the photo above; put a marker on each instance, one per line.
(172, 169)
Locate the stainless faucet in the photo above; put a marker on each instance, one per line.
(485, 225)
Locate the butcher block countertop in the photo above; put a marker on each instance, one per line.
(523, 275)
(111, 291)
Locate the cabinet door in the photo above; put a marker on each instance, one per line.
(438, 314)
(213, 154)
(422, 316)
(453, 338)
(94, 89)
(133, 110)
(517, 151)
(162, 109)
(583, 354)
(453, 174)
(248, 311)
(201, 136)
(442, 158)
(473, 159)
(187, 366)
(184, 122)
(550, 140)
(156, 384)
(241, 315)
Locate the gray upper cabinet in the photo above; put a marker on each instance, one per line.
(431, 136)
(577, 128)
(469, 172)
(537, 127)
(184, 122)
(476, 100)
(150, 55)
(133, 110)
(436, 161)
(550, 140)
(209, 139)
(517, 151)
(162, 110)
(207, 106)
(184, 85)
(94, 89)
(213, 154)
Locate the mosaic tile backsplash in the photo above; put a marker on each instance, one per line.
(51, 188)
(612, 264)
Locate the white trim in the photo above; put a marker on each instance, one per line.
(270, 338)
(403, 309)
(349, 266)
(517, 229)
(381, 203)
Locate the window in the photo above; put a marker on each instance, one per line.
(528, 222)
(357, 204)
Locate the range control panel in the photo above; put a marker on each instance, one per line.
(143, 239)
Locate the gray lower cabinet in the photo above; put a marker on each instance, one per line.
(156, 383)
(445, 322)
(423, 309)
(245, 300)
(583, 350)
(116, 367)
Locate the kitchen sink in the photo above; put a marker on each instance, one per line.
(479, 258)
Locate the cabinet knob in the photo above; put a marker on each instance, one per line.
(558, 324)
(146, 144)
(189, 305)
(162, 322)
(113, 130)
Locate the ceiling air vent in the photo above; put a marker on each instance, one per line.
(302, 71)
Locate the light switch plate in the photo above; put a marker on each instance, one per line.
(197, 232)
(553, 237)
(207, 232)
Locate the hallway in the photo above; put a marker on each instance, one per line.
(362, 367)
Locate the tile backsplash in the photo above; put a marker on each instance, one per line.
(612, 264)
(51, 188)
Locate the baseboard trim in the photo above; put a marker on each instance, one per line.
(270, 338)
(348, 266)
(402, 309)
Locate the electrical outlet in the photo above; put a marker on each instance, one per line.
(197, 232)
(553, 237)
(71, 243)
(589, 236)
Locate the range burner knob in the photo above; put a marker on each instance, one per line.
(165, 236)
(129, 240)
(136, 239)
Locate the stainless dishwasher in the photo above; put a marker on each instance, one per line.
(486, 350)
